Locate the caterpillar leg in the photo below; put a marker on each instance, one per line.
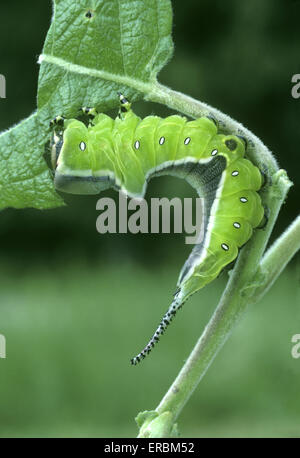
(57, 121)
(91, 113)
(88, 111)
(266, 181)
(176, 304)
(244, 139)
(265, 219)
(266, 178)
(125, 105)
(213, 119)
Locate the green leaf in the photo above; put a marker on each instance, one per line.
(87, 60)
(25, 180)
(93, 49)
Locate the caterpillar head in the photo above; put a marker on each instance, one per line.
(72, 158)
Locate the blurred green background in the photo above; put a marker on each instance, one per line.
(76, 305)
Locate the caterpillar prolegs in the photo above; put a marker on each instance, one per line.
(125, 153)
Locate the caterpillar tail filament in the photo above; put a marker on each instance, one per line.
(176, 304)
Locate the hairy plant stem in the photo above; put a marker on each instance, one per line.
(278, 255)
(256, 150)
(239, 293)
(249, 280)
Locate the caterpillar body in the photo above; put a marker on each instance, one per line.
(127, 152)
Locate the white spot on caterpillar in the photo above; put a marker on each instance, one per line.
(243, 199)
(82, 146)
(237, 225)
(235, 173)
(214, 152)
(137, 144)
(225, 247)
(162, 140)
(187, 140)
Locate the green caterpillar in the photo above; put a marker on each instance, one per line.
(126, 152)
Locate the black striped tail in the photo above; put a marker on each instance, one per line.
(166, 320)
